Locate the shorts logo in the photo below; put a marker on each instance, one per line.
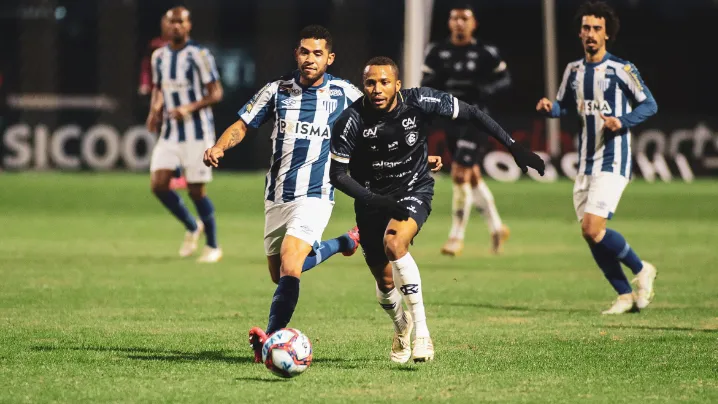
(306, 229)
(409, 288)
(411, 138)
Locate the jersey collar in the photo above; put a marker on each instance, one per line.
(605, 58)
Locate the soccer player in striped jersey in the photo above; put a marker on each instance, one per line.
(186, 84)
(610, 98)
(298, 196)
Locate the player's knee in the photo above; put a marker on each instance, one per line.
(291, 265)
(590, 231)
(197, 192)
(394, 247)
(158, 188)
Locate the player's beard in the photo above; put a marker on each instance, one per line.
(314, 77)
(387, 106)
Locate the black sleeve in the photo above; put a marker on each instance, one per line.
(482, 121)
(433, 75)
(433, 102)
(344, 133)
(496, 74)
(339, 177)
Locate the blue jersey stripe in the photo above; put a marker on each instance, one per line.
(307, 111)
(590, 121)
(173, 66)
(167, 129)
(316, 178)
(276, 157)
(626, 171)
(198, 133)
(609, 152)
(180, 122)
(159, 71)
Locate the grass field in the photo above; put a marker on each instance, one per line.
(95, 305)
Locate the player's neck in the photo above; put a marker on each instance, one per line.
(596, 57)
(461, 40)
(179, 45)
(306, 83)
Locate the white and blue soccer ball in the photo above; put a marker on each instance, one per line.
(287, 352)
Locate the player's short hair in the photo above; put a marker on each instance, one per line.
(316, 32)
(462, 5)
(600, 9)
(383, 61)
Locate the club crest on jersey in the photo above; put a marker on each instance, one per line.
(329, 105)
(409, 123)
(370, 133)
(604, 84)
(591, 107)
(411, 138)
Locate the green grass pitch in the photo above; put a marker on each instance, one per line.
(95, 305)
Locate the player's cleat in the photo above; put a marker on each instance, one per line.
(257, 336)
(210, 255)
(453, 247)
(423, 350)
(644, 285)
(189, 245)
(178, 183)
(624, 304)
(498, 239)
(401, 345)
(354, 235)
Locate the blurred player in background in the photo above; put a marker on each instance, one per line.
(473, 72)
(381, 141)
(186, 84)
(298, 197)
(178, 181)
(609, 96)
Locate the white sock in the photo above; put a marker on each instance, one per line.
(393, 306)
(460, 210)
(484, 202)
(408, 279)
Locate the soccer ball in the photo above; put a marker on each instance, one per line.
(287, 352)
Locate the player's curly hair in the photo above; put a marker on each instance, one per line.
(383, 61)
(317, 32)
(600, 9)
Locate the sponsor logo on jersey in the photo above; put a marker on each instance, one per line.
(393, 145)
(472, 55)
(409, 123)
(630, 70)
(304, 130)
(411, 138)
(445, 54)
(335, 92)
(591, 107)
(370, 133)
(289, 102)
(429, 99)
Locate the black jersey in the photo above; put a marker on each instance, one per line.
(472, 73)
(387, 152)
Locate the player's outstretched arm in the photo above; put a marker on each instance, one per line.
(230, 138)
(340, 178)
(524, 158)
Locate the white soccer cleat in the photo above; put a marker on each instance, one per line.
(624, 304)
(189, 245)
(423, 350)
(401, 345)
(210, 255)
(644, 285)
(453, 247)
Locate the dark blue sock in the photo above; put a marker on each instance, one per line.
(174, 203)
(283, 304)
(205, 209)
(326, 249)
(611, 269)
(614, 242)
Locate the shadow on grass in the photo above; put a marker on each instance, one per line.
(652, 328)
(150, 354)
(480, 305)
(271, 379)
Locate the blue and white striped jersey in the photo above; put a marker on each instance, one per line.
(612, 88)
(303, 118)
(181, 76)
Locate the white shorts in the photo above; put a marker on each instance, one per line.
(598, 194)
(170, 154)
(304, 219)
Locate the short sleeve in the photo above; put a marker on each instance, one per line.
(207, 68)
(260, 107)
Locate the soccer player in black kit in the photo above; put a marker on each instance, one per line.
(379, 157)
(472, 71)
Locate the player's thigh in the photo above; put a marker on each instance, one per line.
(163, 162)
(580, 195)
(308, 219)
(460, 174)
(192, 162)
(160, 180)
(275, 226)
(372, 225)
(274, 263)
(604, 193)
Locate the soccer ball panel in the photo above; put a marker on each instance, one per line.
(287, 352)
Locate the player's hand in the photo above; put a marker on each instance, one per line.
(544, 105)
(180, 112)
(212, 156)
(525, 158)
(390, 205)
(611, 123)
(153, 121)
(435, 163)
